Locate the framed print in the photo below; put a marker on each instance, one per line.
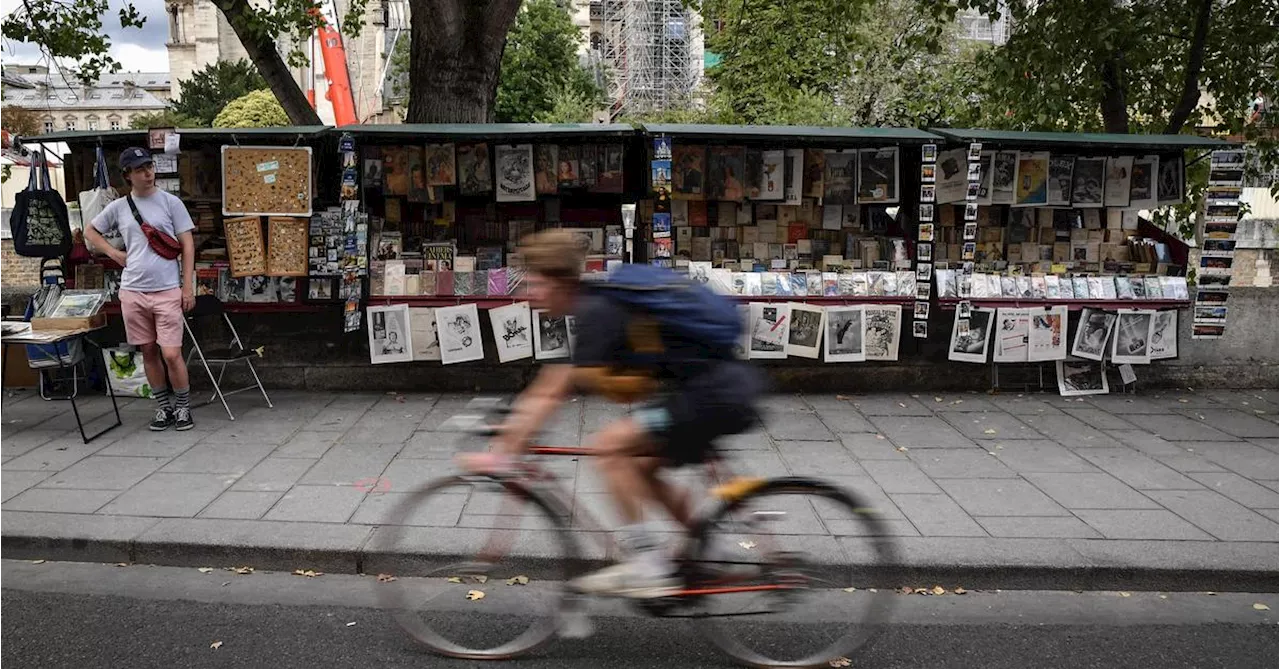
(512, 331)
(389, 336)
(459, 331)
(844, 332)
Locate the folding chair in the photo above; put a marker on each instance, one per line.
(209, 307)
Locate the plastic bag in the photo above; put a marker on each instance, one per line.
(125, 372)
(94, 200)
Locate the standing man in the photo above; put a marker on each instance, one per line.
(154, 291)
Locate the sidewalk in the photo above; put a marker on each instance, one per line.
(1170, 490)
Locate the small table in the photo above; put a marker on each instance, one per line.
(48, 341)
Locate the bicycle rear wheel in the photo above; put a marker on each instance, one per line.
(782, 591)
(433, 598)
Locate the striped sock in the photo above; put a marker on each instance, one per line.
(164, 397)
(182, 398)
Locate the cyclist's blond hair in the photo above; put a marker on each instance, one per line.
(553, 253)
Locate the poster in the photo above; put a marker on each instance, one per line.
(1059, 184)
(690, 164)
(1011, 332)
(726, 167)
(882, 325)
(1164, 335)
(1081, 377)
(969, 337)
(441, 169)
(815, 166)
(1132, 342)
(793, 178)
(1004, 172)
(1142, 183)
(1089, 177)
(474, 173)
(389, 338)
(844, 332)
(1119, 172)
(839, 179)
(459, 331)
(805, 332)
(772, 172)
(1092, 334)
(951, 176)
(513, 167)
(1047, 337)
(877, 175)
(546, 157)
(769, 330)
(1031, 181)
(550, 336)
(1169, 179)
(986, 173)
(512, 331)
(424, 341)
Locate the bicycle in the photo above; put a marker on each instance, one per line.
(774, 575)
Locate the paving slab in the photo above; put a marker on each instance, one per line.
(52, 500)
(167, 444)
(219, 458)
(871, 447)
(818, 458)
(1238, 488)
(937, 515)
(985, 426)
(1187, 463)
(899, 477)
(1137, 470)
(1037, 527)
(1003, 497)
(317, 504)
(308, 444)
(1040, 456)
(1146, 442)
(845, 419)
(799, 426)
(241, 505)
(1217, 515)
(1141, 524)
(104, 472)
(1242, 457)
(347, 463)
(1090, 491)
(921, 432)
(1180, 428)
(890, 404)
(945, 464)
(14, 482)
(1098, 418)
(442, 510)
(1237, 423)
(170, 495)
(273, 475)
(1070, 431)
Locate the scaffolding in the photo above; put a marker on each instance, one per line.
(650, 53)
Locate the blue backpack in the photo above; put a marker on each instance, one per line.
(684, 309)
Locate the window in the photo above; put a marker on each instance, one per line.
(48, 126)
(115, 124)
(92, 125)
(71, 125)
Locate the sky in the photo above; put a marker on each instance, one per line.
(137, 49)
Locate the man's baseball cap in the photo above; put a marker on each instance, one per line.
(134, 157)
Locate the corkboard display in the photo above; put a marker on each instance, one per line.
(287, 240)
(245, 249)
(266, 180)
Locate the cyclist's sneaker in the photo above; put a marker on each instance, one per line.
(163, 420)
(639, 577)
(182, 419)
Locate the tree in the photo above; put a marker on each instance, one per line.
(71, 31)
(208, 91)
(258, 109)
(167, 118)
(540, 67)
(21, 122)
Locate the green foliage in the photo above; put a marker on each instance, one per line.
(258, 109)
(71, 31)
(208, 91)
(20, 121)
(569, 106)
(167, 118)
(540, 67)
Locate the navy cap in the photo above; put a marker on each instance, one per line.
(134, 157)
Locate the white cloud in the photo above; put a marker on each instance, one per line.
(139, 58)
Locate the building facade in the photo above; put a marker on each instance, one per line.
(62, 103)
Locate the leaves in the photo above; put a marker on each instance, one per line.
(385, 578)
(989, 430)
(37, 562)
(1126, 594)
(475, 595)
(1261, 607)
(748, 545)
(540, 73)
(240, 570)
(205, 570)
(256, 109)
(453, 579)
(216, 645)
(840, 662)
(481, 579)
(206, 92)
(309, 573)
(518, 580)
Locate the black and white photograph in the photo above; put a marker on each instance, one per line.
(972, 345)
(964, 309)
(921, 311)
(389, 338)
(882, 326)
(924, 252)
(514, 168)
(1081, 377)
(928, 193)
(1047, 335)
(920, 329)
(971, 211)
(1169, 179)
(372, 173)
(975, 150)
(952, 176)
(1089, 177)
(550, 336)
(1164, 335)
(1142, 182)
(1011, 332)
(929, 153)
(425, 342)
(926, 212)
(840, 178)
(877, 175)
(924, 271)
(1060, 183)
(793, 176)
(923, 290)
(459, 331)
(772, 184)
(805, 333)
(969, 232)
(986, 175)
(1004, 172)
(844, 332)
(1119, 173)
(769, 331)
(1132, 341)
(512, 331)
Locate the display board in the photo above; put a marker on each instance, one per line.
(266, 180)
(245, 249)
(287, 246)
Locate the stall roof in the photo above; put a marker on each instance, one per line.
(82, 136)
(1094, 140)
(793, 133)
(491, 130)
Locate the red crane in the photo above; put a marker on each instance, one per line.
(335, 73)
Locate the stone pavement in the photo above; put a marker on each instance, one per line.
(1169, 489)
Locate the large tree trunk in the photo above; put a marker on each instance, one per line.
(1115, 110)
(262, 51)
(1191, 80)
(454, 58)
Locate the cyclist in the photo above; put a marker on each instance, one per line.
(694, 395)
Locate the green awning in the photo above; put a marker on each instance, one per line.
(119, 136)
(794, 134)
(1079, 140)
(491, 131)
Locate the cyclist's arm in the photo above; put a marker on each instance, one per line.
(534, 406)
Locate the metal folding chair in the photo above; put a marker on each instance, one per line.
(209, 307)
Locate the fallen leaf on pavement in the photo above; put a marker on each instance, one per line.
(989, 430)
(205, 570)
(385, 578)
(747, 544)
(1164, 596)
(216, 645)
(240, 570)
(902, 405)
(1125, 594)
(480, 579)
(872, 590)
(351, 624)
(37, 562)
(958, 402)
(122, 564)
(850, 589)
(309, 573)
(920, 591)
(961, 591)
(879, 436)
(226, 583)
(938, 590)
(518, 580)
(1211, 593)
(1182, 401)
(474, 595)
(901, 449)
(453, 579)
(1261, 607)
(937, 399)
(840, 662)
(841, 397)
(906, 590)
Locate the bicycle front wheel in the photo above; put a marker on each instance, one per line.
(480, 601)
(780, 587)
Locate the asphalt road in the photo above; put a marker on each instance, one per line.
(87, 615)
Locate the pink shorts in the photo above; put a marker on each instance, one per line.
(152, 317)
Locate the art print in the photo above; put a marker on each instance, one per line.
(1081, 377)
(440, 164)
(550, 336)
(726, 167)
(840, 178)
(1031, 182)
(971, 346)
(1004, 172)
(546, 158)
(459, 331)
(1164, 335)
(986, 176)
(1011, 332)
(424, 341)
(815, 166)
(513, 166)
(690, 165)
(793, 178)
(771, 184)
(1047, 337)
(1060, 183)
(1119, 173)
(1169, 180)
(952, 176)
(878, 175)
(769, 331)
(882, 325)
(389, 336)
(805, 332)
(1089, 177)
(474, 172)
(844, 334)
(512, 331)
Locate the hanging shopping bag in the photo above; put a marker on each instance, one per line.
(125, 372)
(94, 200)
(39, 218)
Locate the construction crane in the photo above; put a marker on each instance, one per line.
(335, 69)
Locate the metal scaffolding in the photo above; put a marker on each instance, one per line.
(650, 52)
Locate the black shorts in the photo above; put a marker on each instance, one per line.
(687, 421)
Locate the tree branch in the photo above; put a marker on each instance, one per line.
(1115, 111)
(262, 51)
(1195, 62)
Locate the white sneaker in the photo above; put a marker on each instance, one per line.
(640, 577)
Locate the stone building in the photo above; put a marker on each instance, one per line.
(63, 103)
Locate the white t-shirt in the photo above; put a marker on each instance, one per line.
(144, 270)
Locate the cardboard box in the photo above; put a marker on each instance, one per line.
(64, 324)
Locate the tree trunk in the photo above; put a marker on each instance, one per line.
(1191, 82)
(454, 58)
(1115, 110)
(262, 51)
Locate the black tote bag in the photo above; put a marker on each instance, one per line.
(39, 218)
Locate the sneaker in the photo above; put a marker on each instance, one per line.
(162, 421)
(640, 577)
(182, 419)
